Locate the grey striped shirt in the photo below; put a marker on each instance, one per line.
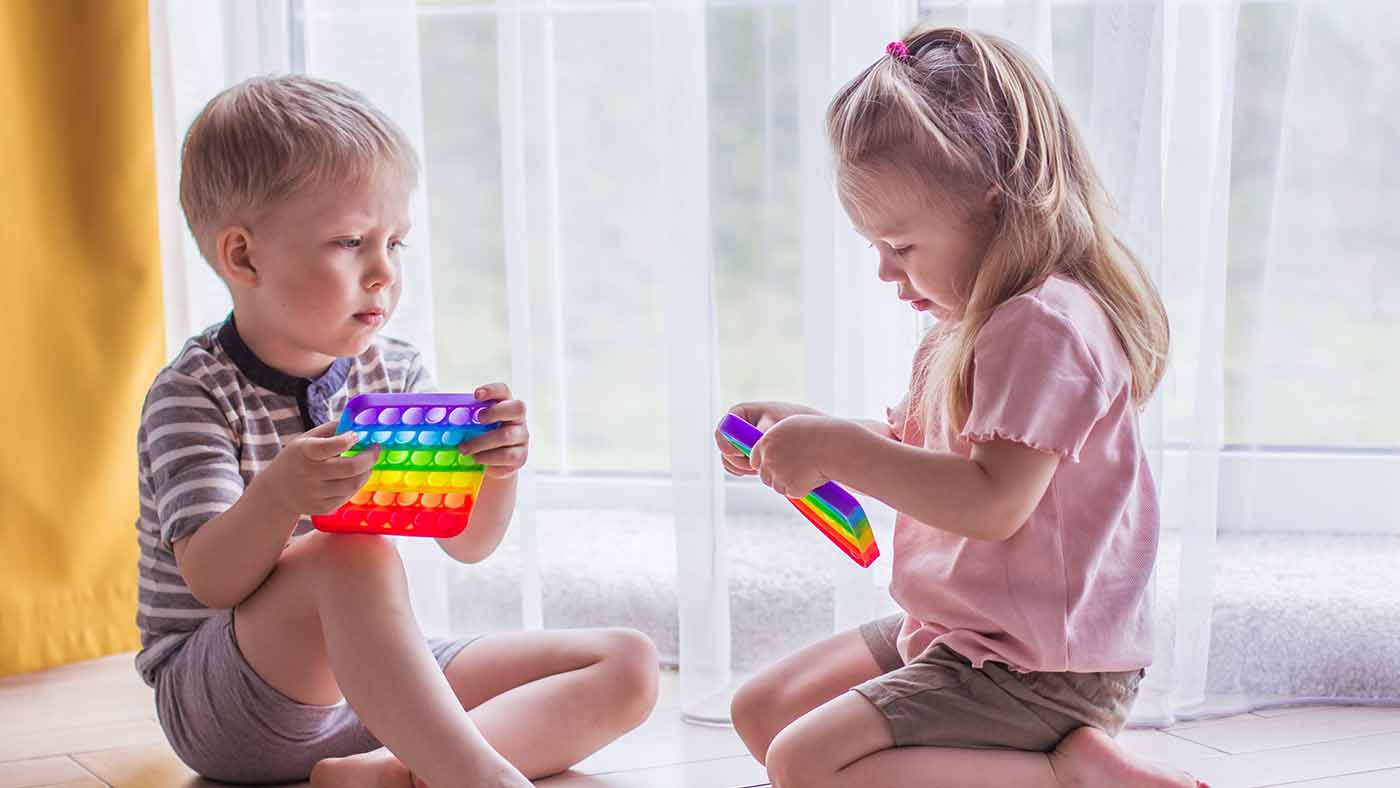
(213, 419)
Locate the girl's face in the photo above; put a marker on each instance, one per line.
(930, 254)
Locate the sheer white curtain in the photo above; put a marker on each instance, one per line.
(627, 213)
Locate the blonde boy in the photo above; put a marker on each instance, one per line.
(277, 653)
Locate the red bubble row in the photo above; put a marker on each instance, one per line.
(393, 520)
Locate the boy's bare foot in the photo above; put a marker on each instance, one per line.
(377, 769)
(1088, 758)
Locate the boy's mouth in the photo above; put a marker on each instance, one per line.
(370, 317)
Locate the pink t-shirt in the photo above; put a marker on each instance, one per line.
(1070, 591)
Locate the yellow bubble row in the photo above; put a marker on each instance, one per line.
(417, 480)
(425, 500)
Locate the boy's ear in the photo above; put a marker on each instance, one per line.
(232, 248)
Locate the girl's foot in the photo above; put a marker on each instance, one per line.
(1088, 758)
(377, 769)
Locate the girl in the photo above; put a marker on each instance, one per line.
(1027, 525)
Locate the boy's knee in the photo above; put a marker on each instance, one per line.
(360, 558)
(635, 672)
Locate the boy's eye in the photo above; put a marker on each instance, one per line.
(901, 250)
(396, 244)
(349, 243)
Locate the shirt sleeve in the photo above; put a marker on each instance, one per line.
(193, 456)
(419, 377)
(1034, 381)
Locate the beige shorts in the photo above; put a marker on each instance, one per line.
(940, 700)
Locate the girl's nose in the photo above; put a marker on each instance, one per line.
(888, 271)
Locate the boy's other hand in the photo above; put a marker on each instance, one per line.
(503, 450)
(308, 476)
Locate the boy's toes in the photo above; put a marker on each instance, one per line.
(1088, 757)
(378, 769)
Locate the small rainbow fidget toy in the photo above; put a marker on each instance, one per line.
(421, 485)
(830, 508)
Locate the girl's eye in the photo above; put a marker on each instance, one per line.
(396, 245)
(901, 251)
(349, 243)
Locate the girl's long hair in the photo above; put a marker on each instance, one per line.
(967, 114)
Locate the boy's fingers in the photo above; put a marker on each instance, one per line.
(492, 391)
(513, 435)
(510, 455)
(353, 467)
(509, 410)
(328, 448)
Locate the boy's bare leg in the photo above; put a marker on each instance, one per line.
(544, 700)
(334, 618)
(547, 700)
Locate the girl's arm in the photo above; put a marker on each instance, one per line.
(989, 495)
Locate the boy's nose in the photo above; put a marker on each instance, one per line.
(381, 273)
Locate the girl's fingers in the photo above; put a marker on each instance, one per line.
(735, 468)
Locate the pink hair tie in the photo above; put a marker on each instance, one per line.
(898, 51)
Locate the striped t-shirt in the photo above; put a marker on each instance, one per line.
(213, 419)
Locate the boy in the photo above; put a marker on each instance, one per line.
(254, 629)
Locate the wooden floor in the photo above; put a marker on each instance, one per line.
(92, 725)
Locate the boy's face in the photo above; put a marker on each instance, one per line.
(321, 274)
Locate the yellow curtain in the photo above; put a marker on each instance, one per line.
(81, 319)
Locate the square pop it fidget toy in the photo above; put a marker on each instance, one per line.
(835, 512)
(422, 485)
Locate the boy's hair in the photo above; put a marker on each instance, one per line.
(963, 114)
(267, 138)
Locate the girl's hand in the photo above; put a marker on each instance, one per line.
(762, 415)
(793, 456)
(503, 450)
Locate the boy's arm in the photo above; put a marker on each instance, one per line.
(491, 513)
(989, 495)
(231, 554)
(503, 452)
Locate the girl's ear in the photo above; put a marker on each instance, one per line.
(232, 248)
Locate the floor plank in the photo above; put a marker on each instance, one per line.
(40, 771)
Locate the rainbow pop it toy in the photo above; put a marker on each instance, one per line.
(835, 512)
(421, 485)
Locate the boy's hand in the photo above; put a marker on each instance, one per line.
(762, 415)
(793, 456)
(503, 450)
(308, 476)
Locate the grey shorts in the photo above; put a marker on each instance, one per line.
(939, 700)
(227, 723)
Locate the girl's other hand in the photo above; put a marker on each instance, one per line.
(794, 457)
(762, 415)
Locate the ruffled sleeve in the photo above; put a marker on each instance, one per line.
(1034, 381)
